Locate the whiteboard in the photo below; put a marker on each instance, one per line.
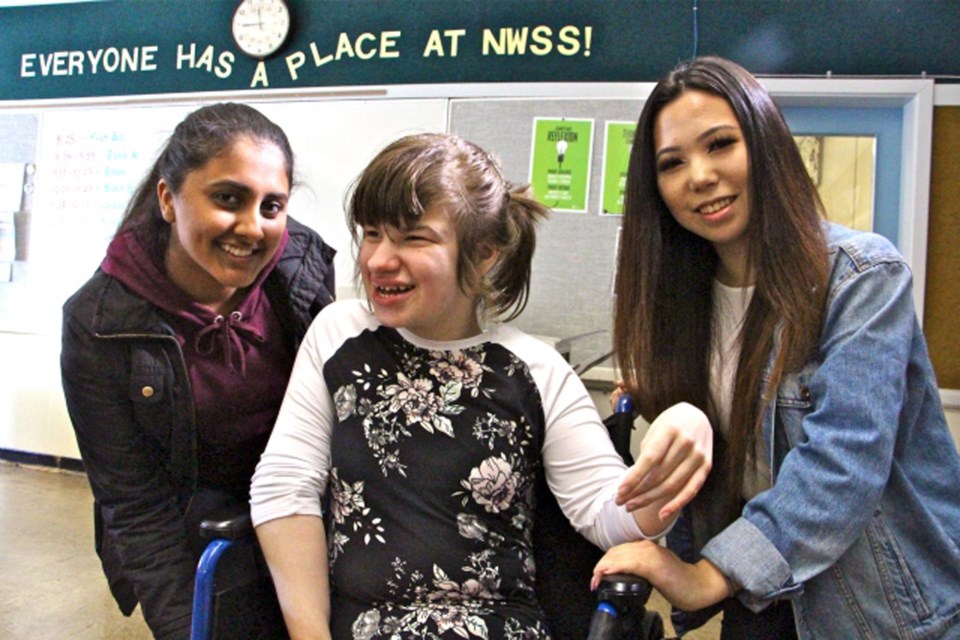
(90, 160)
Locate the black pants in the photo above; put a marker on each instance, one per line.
(773, 623)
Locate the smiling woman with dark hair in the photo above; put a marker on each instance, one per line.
(177, 351)
(833, 510)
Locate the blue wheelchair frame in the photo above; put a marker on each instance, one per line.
(234, 531)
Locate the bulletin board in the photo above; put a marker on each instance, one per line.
(89, 160)
(941, 320)
(572, 282)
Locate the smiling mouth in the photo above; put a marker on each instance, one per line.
(237, 252)
(394, 291)
(716, 205)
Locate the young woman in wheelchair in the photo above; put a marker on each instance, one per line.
(425, 422)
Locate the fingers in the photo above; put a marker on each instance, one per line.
(675, 457)
(645, 472)
(662, 457)
(683, 496)
(623, 558)
(677, 490)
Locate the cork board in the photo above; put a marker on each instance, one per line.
(942, 299)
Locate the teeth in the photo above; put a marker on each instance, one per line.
(713, 207)
(238, 252)
(394, 290)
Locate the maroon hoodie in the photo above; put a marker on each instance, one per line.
(238, 364)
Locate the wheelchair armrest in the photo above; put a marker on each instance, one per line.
(232, 523)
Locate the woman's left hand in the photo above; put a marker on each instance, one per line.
(676, 455)
(688, 587)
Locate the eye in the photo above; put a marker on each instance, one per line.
(667, 163)
(272, 208)
(227, 199)
(721, 142)
(371, 233)
(420, 236)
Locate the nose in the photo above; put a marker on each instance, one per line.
(249, 223)
(701, 173)
(383, 255)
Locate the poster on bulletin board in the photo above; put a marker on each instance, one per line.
(560, 162)
(618, 140)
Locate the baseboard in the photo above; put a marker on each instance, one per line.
(42, 460)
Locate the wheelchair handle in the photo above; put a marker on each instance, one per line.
(623, 586)
(603, 624)
(617, 594)
(625, 404)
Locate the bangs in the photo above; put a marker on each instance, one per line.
(397, 187)
(386, 201)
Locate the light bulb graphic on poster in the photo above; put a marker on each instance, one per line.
(560, 162)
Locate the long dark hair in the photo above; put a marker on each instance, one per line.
(204, 134)
(664, 291)
(489, 213)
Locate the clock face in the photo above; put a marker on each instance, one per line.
(261, 26)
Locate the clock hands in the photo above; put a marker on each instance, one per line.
(258, 23)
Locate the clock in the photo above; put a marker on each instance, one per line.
(260, 27)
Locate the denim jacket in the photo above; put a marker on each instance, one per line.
(861, 529)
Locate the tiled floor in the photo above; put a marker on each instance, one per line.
(52, 587)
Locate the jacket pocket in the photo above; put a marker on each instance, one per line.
(898, 580)
(795, 401)
(151, 395)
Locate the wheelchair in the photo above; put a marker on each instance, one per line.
(234, 598)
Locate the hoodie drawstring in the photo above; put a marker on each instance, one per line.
(228, 332)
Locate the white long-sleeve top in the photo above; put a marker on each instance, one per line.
(582, 468)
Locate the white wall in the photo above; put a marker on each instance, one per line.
(33, 414)
(332, 141)
(953, 419)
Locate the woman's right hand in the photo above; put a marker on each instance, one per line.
(676, 454)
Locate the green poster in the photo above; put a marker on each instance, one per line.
(616, 157)
(560, 162)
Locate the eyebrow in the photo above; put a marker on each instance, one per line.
(703, 136)
(239, 186)
(420, 228)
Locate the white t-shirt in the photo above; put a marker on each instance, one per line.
(730, 309)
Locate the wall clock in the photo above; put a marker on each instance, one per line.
(260, 27)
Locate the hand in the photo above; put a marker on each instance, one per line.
(676, 455)
(618, 390)
(685, 586)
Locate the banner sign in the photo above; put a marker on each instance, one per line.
(136, 47)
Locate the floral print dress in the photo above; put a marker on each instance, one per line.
(434, 456)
